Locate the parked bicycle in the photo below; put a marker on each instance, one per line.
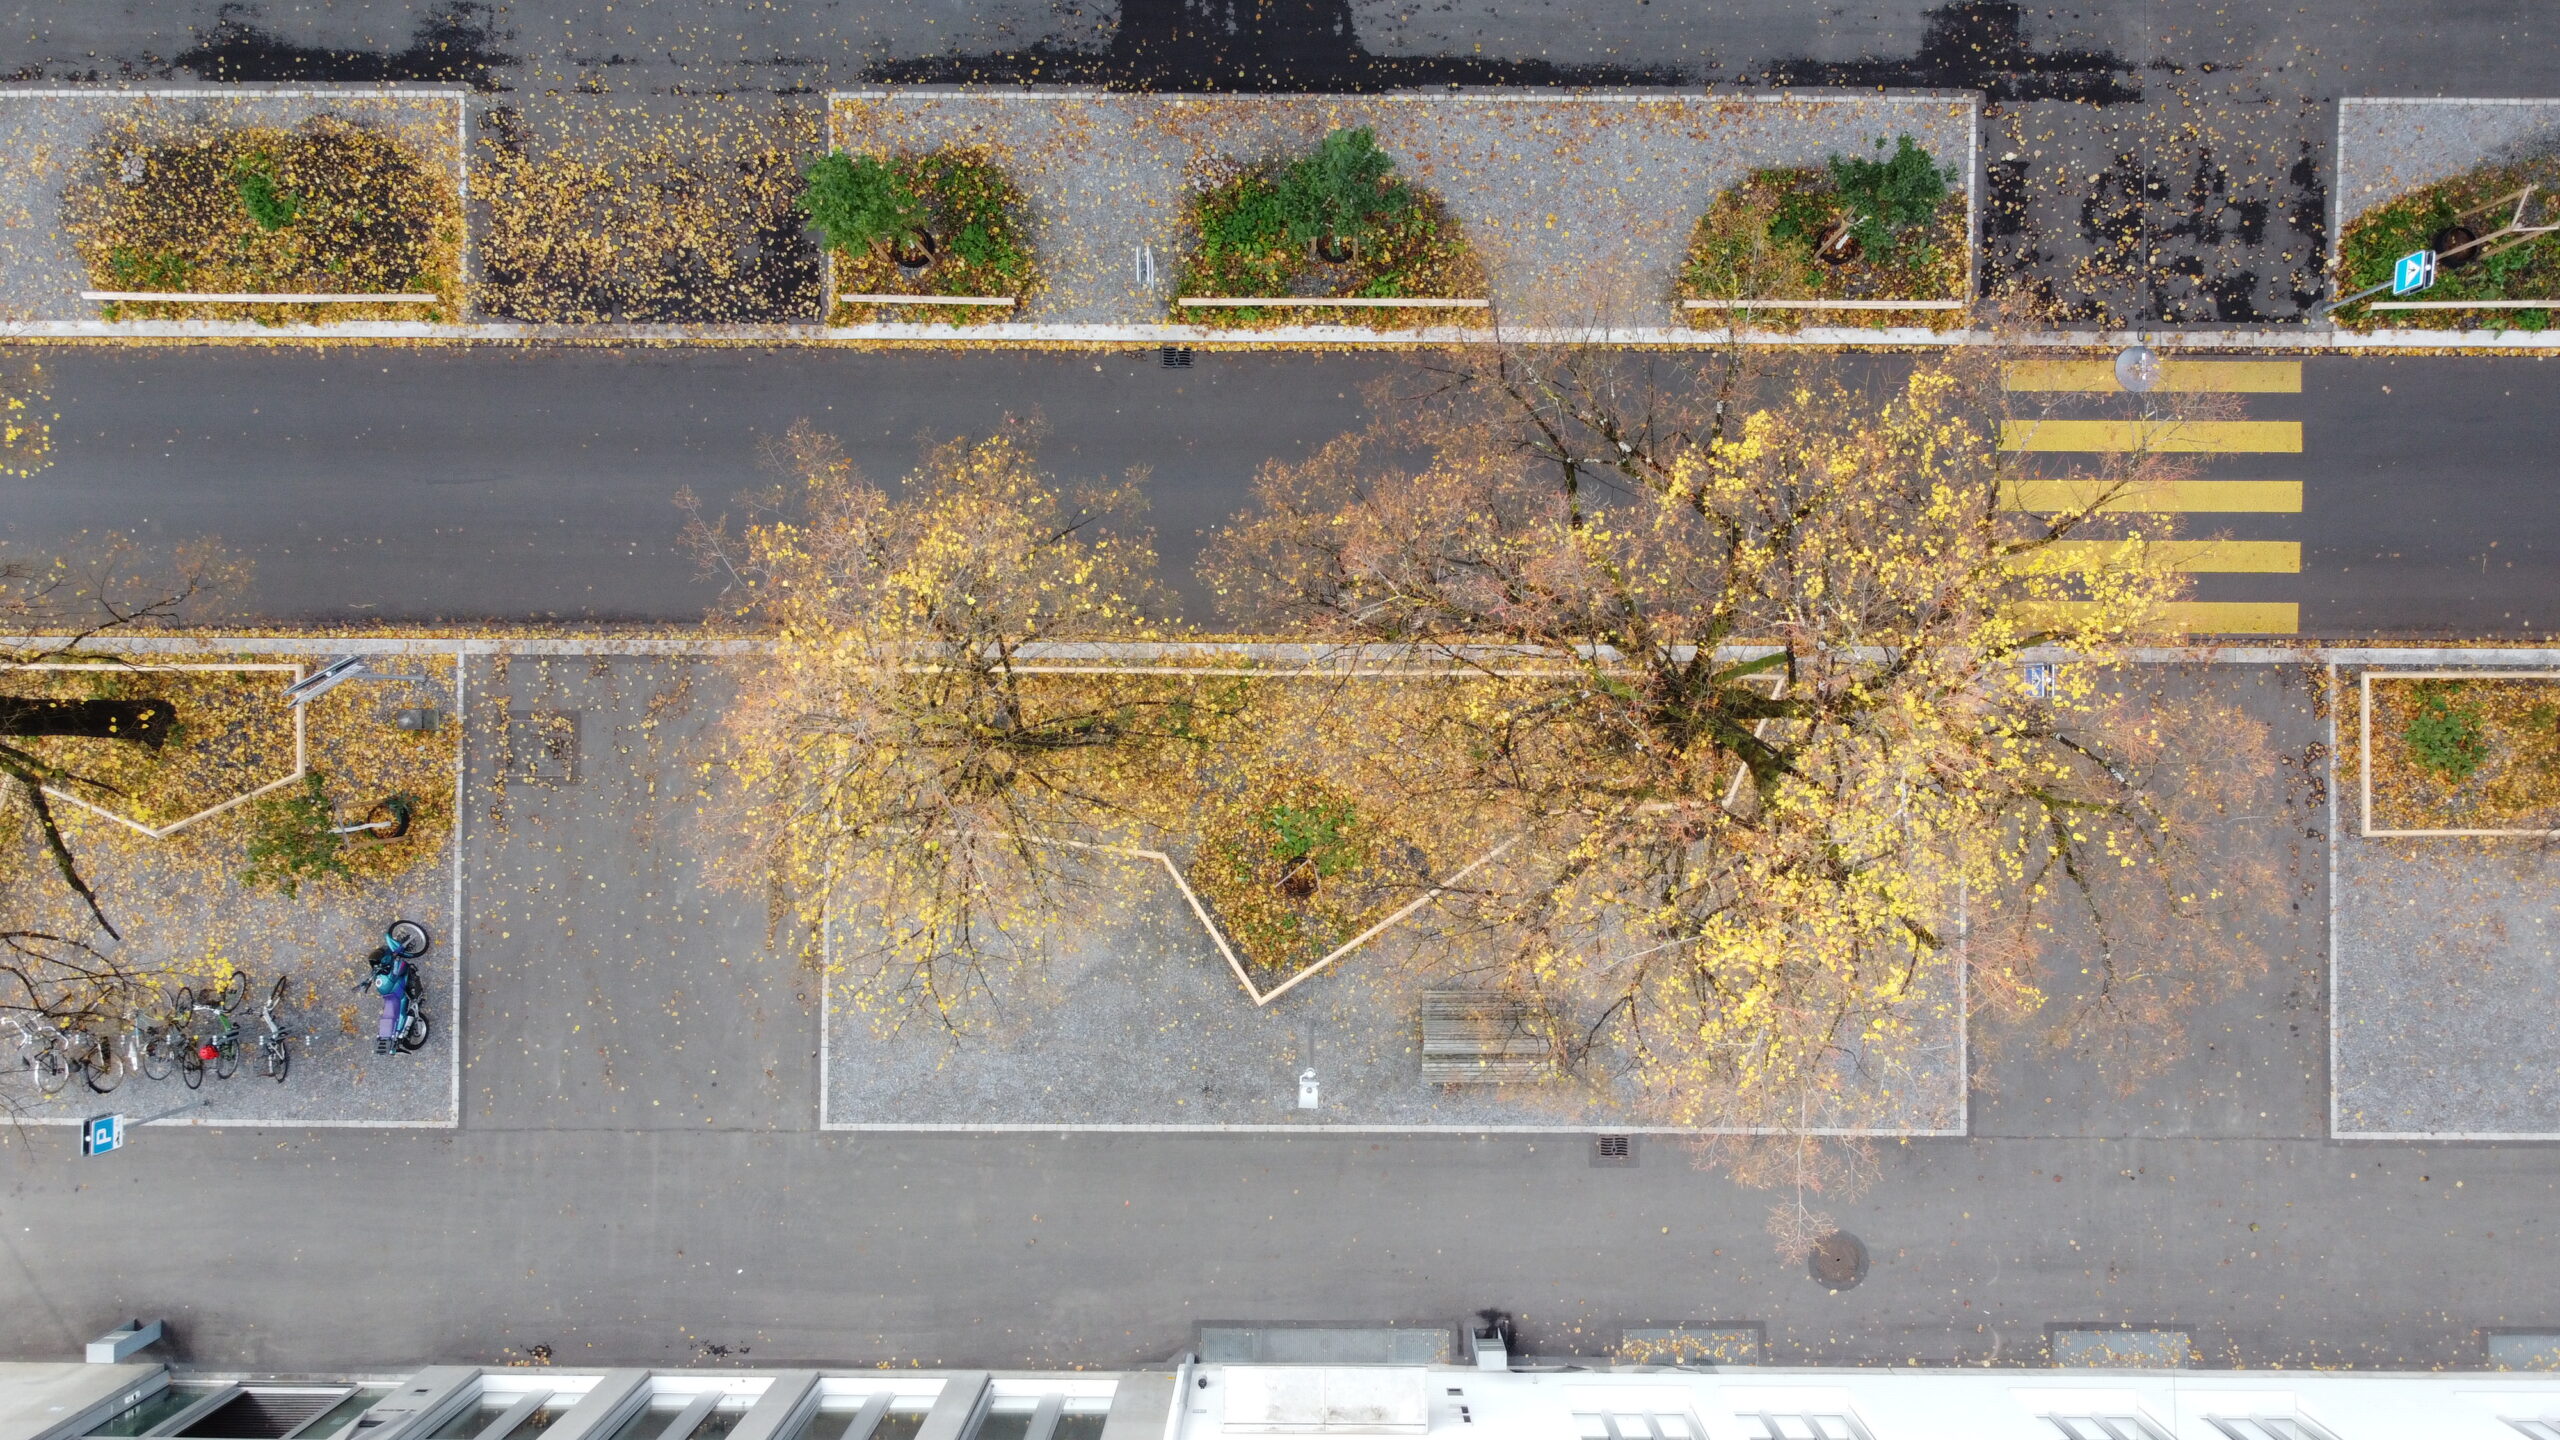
(218, 1048)
(92, 1053)
(275, 1053)
(150, 1045)
(40, 1055)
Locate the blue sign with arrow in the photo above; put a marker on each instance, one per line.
(2413, 272)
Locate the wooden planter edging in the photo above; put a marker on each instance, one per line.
(1824, 304)
(192, 297)
(1004, 301)
(1201, 302)
(2364, 745)
(2462, 305)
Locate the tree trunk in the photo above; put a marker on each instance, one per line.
(147, 721)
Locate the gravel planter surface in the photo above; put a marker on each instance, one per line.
(1581, 206)
(1143, 1025)
(2448, 960)
(2387, 148)
(46, 133)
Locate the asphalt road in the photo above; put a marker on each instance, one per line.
(431, 484)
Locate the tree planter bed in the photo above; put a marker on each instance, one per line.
(1793, 240)
(334, 215)
(941, 230)
(2459, 753)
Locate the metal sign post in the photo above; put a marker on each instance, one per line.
(323, 680)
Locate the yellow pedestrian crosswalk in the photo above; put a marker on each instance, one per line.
(2154, 437)
(2193, 557)
(2164, 497)
(2067, 436)
(2226, 377)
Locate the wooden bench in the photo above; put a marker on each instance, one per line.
(1482, 1037)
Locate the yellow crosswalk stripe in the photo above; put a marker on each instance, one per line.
(2236, 617)
(2193, 557)
(2187, 497)
(2159, 437)
(2228, 377)
(2208, 617)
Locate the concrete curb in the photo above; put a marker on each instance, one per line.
(1002, 336)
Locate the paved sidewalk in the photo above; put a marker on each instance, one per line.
(606, 1200)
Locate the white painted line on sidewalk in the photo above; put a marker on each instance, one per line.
(2332, 838)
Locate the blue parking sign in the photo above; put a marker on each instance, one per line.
(2413, 272)
(101, 1134)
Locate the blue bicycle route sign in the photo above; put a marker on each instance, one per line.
(101, 1134)
(2413, 272)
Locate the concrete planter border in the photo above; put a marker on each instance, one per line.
(2364, 751)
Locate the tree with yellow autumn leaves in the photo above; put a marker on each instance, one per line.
(1729, 663)
(898, 744)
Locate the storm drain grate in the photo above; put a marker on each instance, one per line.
(1616, 1151)
(1175, 357)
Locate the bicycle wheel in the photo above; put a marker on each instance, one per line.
(100, 1069)
(226, 997)
(408, 937)
(276, 994)
(158, 1058)
(226, 1058)
(413, 1035)
(50, 1071)
(278, 1055)
(190, 1064)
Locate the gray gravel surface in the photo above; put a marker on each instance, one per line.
(1140, 1023)
(2448, 956)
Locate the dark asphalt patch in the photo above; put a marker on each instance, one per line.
(456, 42)
(1978, 45)
(1246, 46)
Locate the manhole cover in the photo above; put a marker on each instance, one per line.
(1839, 1260)
(542, 746)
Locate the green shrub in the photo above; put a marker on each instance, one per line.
(289, 841)
(1345, 190)
(1318, 832)
(1244, 236)
(1887, 197)
(859, 203)
(2445, 735)
(132, 268)
(966, 197)
(270, 206)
